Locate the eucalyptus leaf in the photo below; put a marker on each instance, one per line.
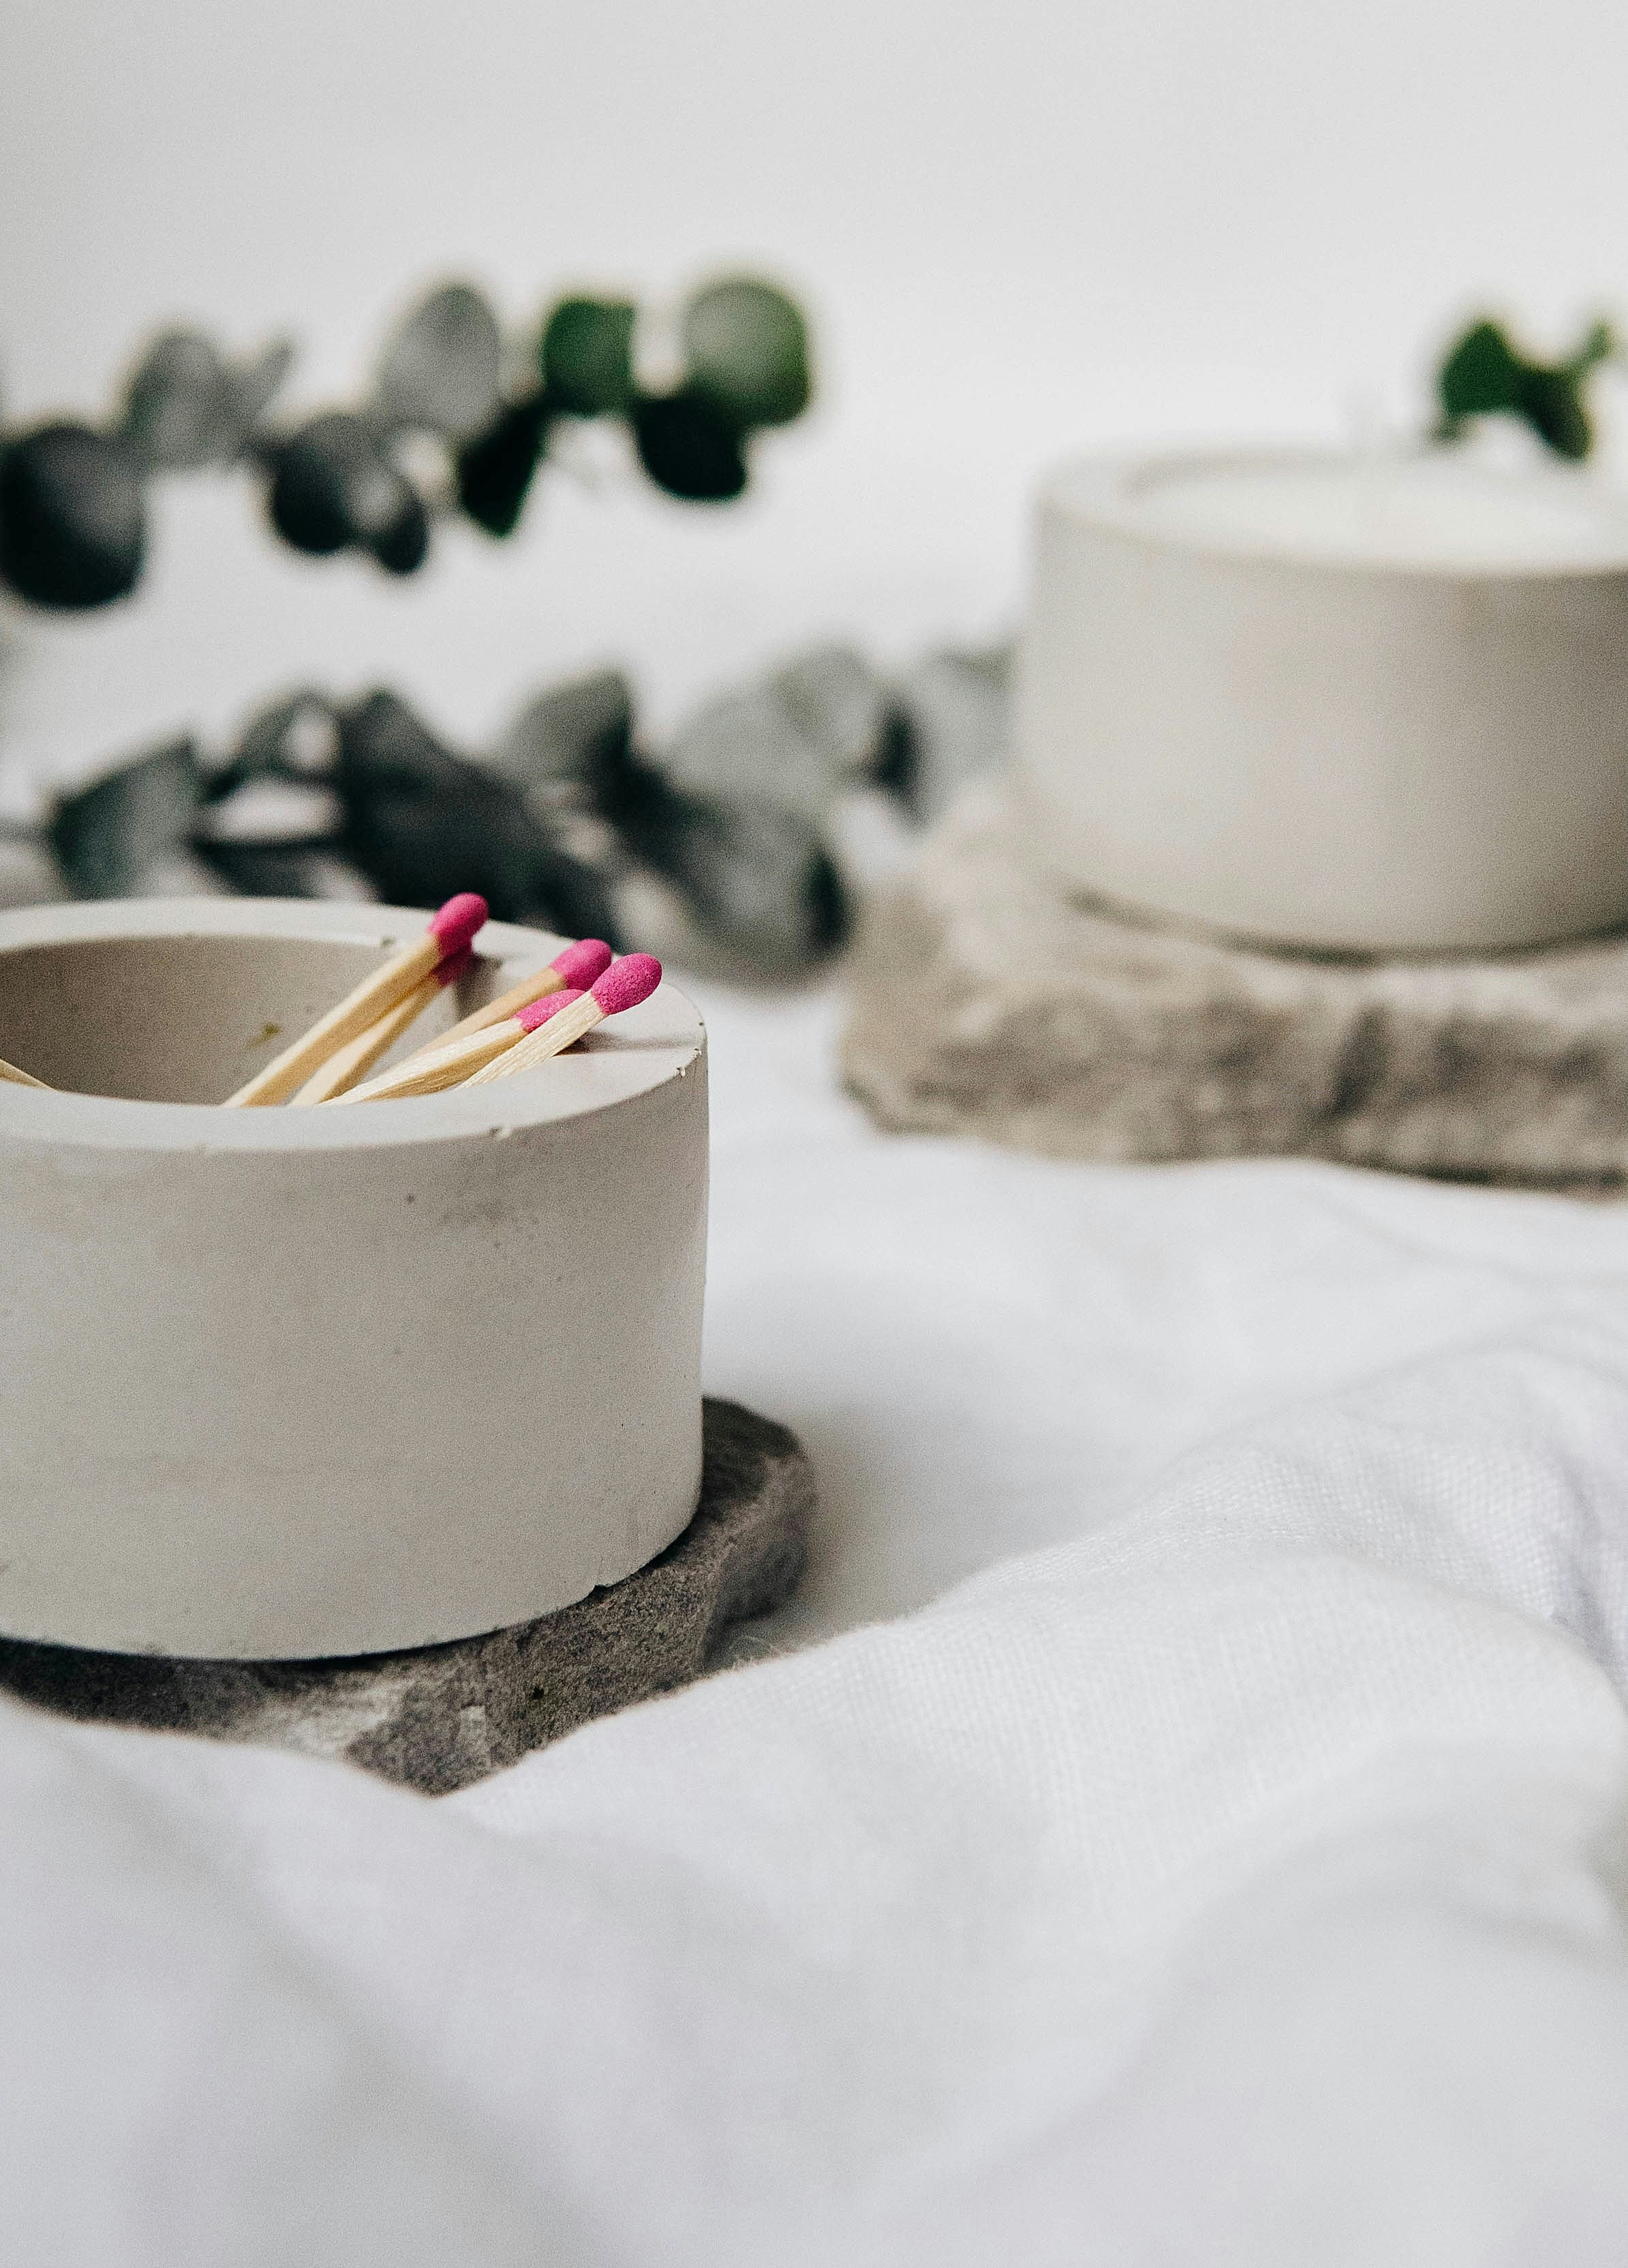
(1553, 405)
(299, 868)
(402, 544)
(567, 741)
(495, 470)
(181, 408)
(799, 738)
(838, 701)
(295, 738)
(757, 876)
(335, 485)
(1486, 375)
(688, 448)
(73, 519)
(951, 722)
(748, 743)
(1482, 374)
(255, 382)
(439, 369)
(745, 348)
(587, 356)
(1597, 344)
(105, 838)
(421, 823)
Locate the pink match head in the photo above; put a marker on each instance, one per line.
(454, 966)
(580, 964)
(457, 922)
(540, 1011)
(627, 982)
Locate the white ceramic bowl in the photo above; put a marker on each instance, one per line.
(1252, 733)
(286, 1383)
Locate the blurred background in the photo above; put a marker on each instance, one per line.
(1020, 227)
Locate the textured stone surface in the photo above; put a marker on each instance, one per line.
(988, 1001)
(440, 1716)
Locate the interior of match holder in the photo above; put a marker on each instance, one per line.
(186, 1019)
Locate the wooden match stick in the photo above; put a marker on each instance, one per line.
(15, 1078)
(451, 1065)
(623, 985)
(350, 1065)
(450, 930)
(571, 971)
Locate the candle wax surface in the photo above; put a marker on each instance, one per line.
(1415, 511)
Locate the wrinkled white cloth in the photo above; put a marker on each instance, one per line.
(1182, 1819)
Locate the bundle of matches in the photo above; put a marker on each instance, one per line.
(577, 965)
(571, 971)
(451, 932)
(622, 986)
(330, 1061)
(348, 1065)
(534, 1032)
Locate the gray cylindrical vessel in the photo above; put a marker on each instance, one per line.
(281, 1382)
(1337, 752)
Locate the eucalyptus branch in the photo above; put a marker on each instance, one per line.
(569, 814)
(1484, 374)
(73, 495)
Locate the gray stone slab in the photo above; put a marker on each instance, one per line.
(437, 1718)
(987, 1000)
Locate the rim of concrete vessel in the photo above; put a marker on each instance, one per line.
(626, 1056)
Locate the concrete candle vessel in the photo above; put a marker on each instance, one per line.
(1331, 702)
(295, 1383)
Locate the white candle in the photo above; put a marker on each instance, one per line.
(1400, 511)
(1333, 700)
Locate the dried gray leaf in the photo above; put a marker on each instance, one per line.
(440, 367)
(108, 837)
(564, 740)
(835, 699)
(179, 408)
(953, 708)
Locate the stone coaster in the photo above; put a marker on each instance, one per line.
(436, 1718)
(989, 1001)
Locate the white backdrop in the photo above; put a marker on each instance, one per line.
(1024, 225)
(1234, 1874)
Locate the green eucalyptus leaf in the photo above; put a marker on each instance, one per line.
(1598, 344)
(73, 524)
(1485, 375)
(1482, 374)
(496, 469)
(1553, 405)
(423, 823)
(687, 447)
(745, 346)
(333, 484)
(106, 837)
(756, 876)
(587, 356)
(566, 742)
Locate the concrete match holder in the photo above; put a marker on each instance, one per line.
(437, 1718)
(308, 1385)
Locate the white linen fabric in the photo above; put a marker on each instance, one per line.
(1185, 1817)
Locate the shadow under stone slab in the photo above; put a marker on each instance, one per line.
(437, 1718)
